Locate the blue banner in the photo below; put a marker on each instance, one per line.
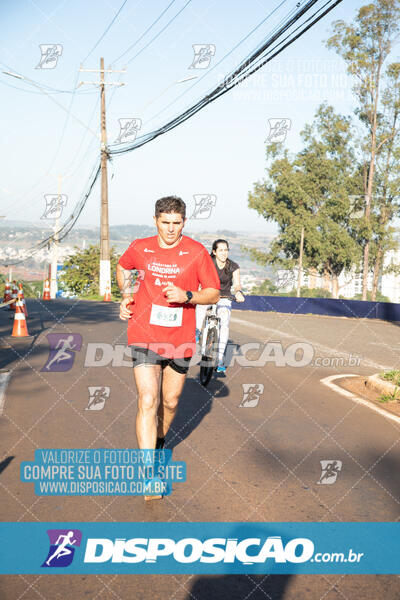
(359, 309)
(102, 472)
(200, 548)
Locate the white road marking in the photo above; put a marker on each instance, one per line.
(320, 347)
(4, 377)
(328, 381)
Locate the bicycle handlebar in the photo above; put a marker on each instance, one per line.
(233, 299)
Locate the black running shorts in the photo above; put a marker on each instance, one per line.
(145, 356)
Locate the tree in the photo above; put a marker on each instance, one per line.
(266, 288)
(311, 191)
(365, 45)
(387, 204)
(82, 272)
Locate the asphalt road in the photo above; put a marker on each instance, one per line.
(254, 462)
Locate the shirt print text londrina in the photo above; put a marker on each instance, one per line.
(187, 266)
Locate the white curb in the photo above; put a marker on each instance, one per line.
(328, 382)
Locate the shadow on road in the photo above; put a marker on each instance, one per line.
(232, 587)
(4, 463)
(367, 475)
(46, 316)
(195, 403)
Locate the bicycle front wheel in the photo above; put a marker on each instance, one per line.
(209, 359)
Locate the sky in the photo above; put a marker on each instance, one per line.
(49, 140)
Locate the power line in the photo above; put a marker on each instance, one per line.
(69, 223)
(74, 91)
(107, 29)
(234, 78)
(159, 33)
(260, 62)
(241, 73)
(20, 89)
(206, 74)
(144, 33)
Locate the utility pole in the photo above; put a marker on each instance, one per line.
(55, 245)
(54, 252)
(105, 269)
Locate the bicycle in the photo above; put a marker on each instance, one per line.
(209, 343)
(209, 340)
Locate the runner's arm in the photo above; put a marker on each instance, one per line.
(206, 296)
(236, 286)
(174, 294)
(124, 284)
(124, 281)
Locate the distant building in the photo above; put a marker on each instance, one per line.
(390, 282)
(350, 282)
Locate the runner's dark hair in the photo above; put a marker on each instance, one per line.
(170, 204)
(227, 268)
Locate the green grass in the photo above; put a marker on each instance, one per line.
(97, 297)
(392, 376)
(390, 397)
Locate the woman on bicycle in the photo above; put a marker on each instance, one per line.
(229, 276)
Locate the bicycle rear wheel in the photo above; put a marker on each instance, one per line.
(209, 360)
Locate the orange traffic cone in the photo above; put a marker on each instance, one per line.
(20, 329)
(14, 295)
(107, 295)
(46, 290)
(21, 291)
(7, 292)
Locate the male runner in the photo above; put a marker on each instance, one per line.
(161, 327)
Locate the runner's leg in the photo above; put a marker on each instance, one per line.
(147, 378)
(200, 314)
(171, 388)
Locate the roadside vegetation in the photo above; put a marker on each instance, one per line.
(336, 200)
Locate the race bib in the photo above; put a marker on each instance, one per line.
(166, 316)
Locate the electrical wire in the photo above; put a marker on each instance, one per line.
(252, 64)
(50, 90)
(159, 33)
(20, 89)
(67, 226)
(207, 73)
(73, 91)
(144, 33)
(241, 73)
(107, 29)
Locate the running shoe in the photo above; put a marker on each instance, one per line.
(153, 486)
(221, 369)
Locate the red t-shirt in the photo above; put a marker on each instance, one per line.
(168, 329)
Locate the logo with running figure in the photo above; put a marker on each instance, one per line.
(203, 54)
(204, 203)
(128, 129)
(278, 129)
(133, 279)
(97, 397)
(54, 205)
(62, 351)
(62, 547)
(330, 470)
(251, 394)
(50, 55)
